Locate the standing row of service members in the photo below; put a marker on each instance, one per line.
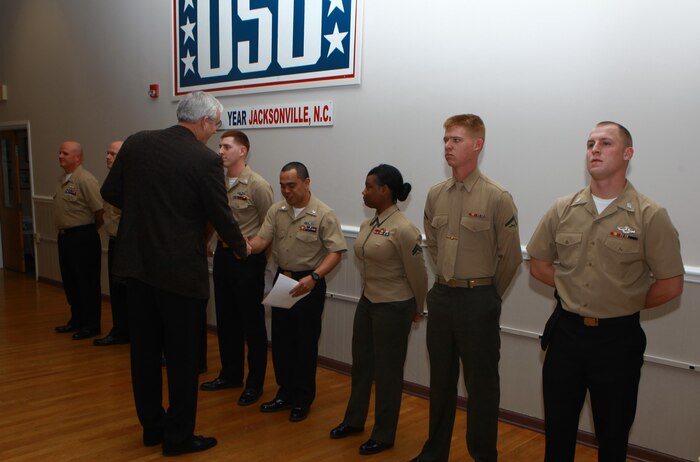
(594, 339)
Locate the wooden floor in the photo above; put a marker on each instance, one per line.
(65, 400)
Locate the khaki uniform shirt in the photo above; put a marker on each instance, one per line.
(605, 260)
(111, 219)
(301, 244)
(480, 227)
(391, 259)
(249, 198)
(77, 199)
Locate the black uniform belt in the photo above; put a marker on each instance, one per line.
(75, 228)
(296, 275)
(465, 283)
(595, 322)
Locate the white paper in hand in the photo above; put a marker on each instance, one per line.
(279, 295)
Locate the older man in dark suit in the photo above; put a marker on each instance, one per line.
(169, 185)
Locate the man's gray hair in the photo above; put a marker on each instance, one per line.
(197, 105)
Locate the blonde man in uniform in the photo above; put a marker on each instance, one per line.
(117, 288)
(307, 243)
(471, 230)
(239, 284)
(608, 239)
(78, 217)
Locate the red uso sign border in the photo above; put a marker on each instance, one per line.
(251, 46)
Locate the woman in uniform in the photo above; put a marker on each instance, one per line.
(394, 286)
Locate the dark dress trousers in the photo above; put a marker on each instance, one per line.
(168, 186)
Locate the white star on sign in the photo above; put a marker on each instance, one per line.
(336, 40)
(188, 3)
(189, 63)
(335, 4)
(189, 30)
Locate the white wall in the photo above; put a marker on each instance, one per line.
(540, 73)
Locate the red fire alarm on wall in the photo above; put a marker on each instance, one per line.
(153, 90)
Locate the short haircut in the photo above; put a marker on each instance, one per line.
(302, 171)
(240, 137)
(624, 133)
(197, 105)
(390, 176)
(472, 123)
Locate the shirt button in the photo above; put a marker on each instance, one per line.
(589, 263)
(592, 242)
(585, 305)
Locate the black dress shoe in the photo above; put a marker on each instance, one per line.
(196, 444)
(65, 329)
(85, 333)
(152, 436)
(275, 405)
(249, 396)
(298, 414)
(109, 340)
(342, 430)
(219, 384)
(373, 447)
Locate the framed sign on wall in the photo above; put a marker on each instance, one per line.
(250, 46)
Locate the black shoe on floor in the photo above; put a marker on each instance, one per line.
(109, 340)
(85, 333)
(195, 444)
(66, 328)
(275, 405)
(342, 430)
(250, 396)
(298, 414)
(373, 447)
(152, 436)
(219, 384)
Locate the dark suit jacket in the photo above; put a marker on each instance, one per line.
(168, 186)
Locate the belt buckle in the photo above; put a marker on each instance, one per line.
(452, 283)
(590, 322)
(287, 273)
(470, 283)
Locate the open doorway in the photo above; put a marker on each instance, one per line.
(16, 214)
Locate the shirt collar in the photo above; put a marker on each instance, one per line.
(468, 182)
(625, 201)
(382, 217)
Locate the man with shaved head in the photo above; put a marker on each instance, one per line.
(78, 207)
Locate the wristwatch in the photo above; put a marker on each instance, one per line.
(315, 276)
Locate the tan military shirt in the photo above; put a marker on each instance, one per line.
(76, 199)
(301, 244)
(111, 219)
(391, 259)
(475, 220)
(605, 260)
(249, 198)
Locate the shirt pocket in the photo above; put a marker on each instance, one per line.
(307, 237)
(568, 248)
(476, 234)
(622, 258)
(239, 204)
(439, 224)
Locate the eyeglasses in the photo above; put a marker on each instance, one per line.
(218, 124)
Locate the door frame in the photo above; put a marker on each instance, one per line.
(25, 125)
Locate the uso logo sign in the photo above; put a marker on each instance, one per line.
(246, 46)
